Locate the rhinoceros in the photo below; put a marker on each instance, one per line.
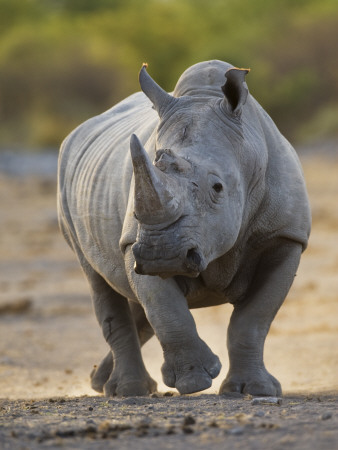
(183, 200)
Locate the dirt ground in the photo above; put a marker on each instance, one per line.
(49, 341)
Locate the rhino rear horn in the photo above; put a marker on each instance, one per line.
(235, 90)
(156, 194)
(161, 100)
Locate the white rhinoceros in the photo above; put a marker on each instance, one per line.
(207, 205)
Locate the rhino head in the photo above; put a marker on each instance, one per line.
(189, 201)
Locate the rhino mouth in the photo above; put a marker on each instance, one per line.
(188, 262)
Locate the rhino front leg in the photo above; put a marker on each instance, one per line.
(100, 374)
(189, 364)
(251, 320)
(128, 376)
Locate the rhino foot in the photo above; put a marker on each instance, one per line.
(106, 380)
(129, 386)
(258, 383)
(189, 368)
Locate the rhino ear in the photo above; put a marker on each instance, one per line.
(235, 90)
(161, 100)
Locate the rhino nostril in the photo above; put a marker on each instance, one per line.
(193, 258)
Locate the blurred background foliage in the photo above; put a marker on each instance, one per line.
(63, 61)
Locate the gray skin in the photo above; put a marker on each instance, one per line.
(182, 201)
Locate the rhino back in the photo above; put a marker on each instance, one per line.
(94, 179)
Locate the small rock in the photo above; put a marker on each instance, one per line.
(143, 425)
(213, 424)
(259, 414)
(189, 420)
(236, 431)
(91, 429)
(266, 401)
(65, 433)
(129, 401)
(18, 306)
(326, 416)
(187, 430)
(269, 425)
(297, 408)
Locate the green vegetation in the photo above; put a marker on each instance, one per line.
(62, 61)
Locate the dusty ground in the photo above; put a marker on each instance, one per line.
(49, 341)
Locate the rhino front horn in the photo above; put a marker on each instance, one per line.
(156, 197)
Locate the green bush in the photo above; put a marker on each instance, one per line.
(62, 61)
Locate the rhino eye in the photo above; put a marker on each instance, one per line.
(217, 187)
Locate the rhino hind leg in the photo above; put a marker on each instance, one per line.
(128, 375)
(262, 384)
(250, 322)
(101, 373)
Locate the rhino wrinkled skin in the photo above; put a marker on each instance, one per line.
(178, 201)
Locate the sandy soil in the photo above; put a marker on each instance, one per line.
(49, 341)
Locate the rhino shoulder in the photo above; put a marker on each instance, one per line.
(286, 209)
